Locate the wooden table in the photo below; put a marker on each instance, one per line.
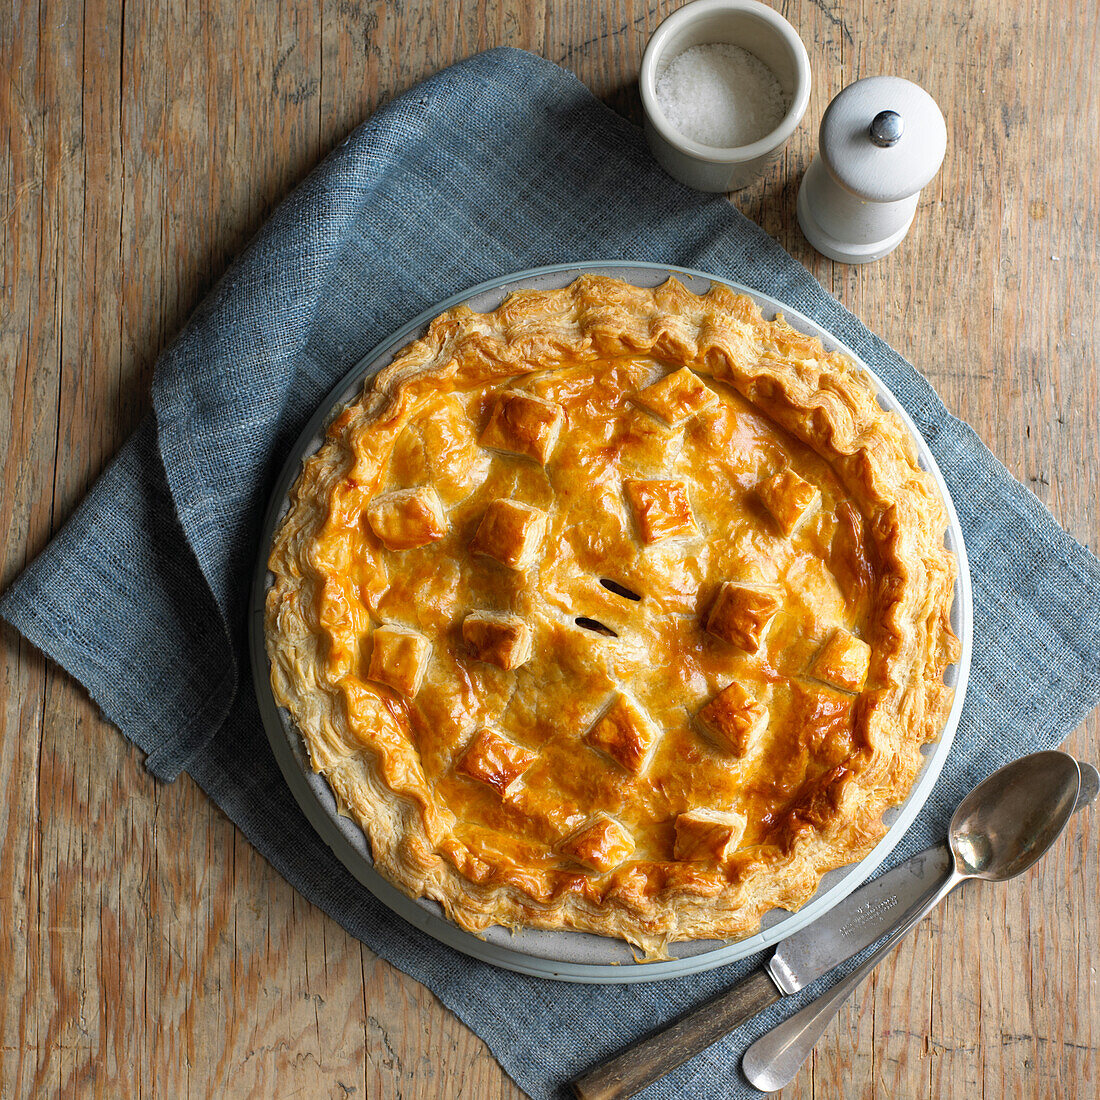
(147, 949)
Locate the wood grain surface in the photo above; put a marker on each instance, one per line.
(145, 949)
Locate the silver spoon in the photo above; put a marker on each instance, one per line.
(999, 830)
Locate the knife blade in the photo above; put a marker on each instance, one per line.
(845, 930)
(866, 914)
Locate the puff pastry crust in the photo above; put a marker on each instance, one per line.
(614, 609)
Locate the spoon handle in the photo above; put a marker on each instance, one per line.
(774, 1059)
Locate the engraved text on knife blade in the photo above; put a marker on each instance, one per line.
(870, 910)
(856, 922)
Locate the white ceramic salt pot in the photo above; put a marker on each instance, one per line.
(882, 140)
(754, 27)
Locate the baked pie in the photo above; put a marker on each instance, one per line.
(615, 609)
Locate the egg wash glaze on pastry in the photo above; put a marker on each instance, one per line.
(615, 609)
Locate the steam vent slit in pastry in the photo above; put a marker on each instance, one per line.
(640, 626)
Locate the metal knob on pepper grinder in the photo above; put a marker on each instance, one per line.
(881, 141)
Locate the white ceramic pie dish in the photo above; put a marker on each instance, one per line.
(565, 955)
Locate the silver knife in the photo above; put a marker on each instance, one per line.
(867, 914)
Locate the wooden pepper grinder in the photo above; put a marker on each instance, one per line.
(881, 140)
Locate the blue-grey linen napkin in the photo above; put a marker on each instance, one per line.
(501, 163)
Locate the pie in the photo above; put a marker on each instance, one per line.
(615, 609)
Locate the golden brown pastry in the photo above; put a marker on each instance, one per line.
(497, 638)
(614, 609)
(733, 719)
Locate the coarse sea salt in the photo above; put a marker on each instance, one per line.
(721, 95)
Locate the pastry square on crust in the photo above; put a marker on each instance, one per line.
(624, 733)
(510, 532)
(789, 498)
(494, 760)
(710, 835)
(407, 518)
(523, 424)
(733, 719)
(741, 615)
(842, 661)
(600, 845)
(497, 638)
(399, 658)
(677, 397)
(825, 718)
(661, 509)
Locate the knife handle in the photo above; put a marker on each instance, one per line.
(640, 1065)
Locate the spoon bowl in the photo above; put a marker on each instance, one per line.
(1011, 818)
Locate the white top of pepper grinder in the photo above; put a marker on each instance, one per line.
(873, 154)
(881, 140)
